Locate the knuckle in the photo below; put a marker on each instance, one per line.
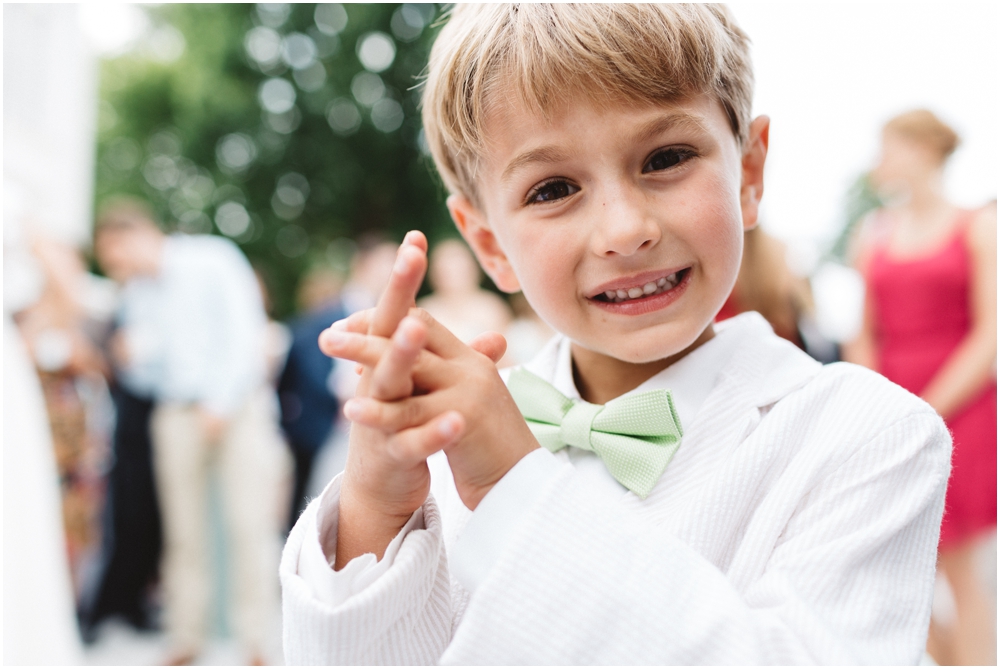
(422, 315)
(411, 413)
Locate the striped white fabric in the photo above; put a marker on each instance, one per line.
(797, 524)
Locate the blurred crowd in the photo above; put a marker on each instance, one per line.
(177, 410)
(166, 431)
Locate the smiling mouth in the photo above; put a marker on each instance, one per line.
(648, 289)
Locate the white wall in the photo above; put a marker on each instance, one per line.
(49, 115)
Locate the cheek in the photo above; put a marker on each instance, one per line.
(545, 266)
(717, 227)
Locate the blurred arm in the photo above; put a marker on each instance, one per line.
(861, 351)
(970, 366)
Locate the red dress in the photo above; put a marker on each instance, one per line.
(922, 312)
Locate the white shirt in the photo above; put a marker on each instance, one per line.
(797, 523)
(689, 380)
(196, 330)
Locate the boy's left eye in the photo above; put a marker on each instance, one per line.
(665, 159)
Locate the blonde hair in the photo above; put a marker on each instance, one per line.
(924, 127)
(541, 54)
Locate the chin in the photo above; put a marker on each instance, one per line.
(660, 344)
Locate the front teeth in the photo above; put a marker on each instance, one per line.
(651, 288)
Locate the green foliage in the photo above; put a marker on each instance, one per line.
(193, 136)
(861, 198)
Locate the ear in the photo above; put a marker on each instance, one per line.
(754, 155)
(471, 222)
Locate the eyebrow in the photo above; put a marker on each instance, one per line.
(545, 154)
(670, 121)
(655, 127)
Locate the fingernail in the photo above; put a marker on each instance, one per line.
(402, 264)
(340, 325)
(334, 337)
(352, 410)
(448, 427)
(408, 238)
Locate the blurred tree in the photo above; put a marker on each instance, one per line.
(286, 127)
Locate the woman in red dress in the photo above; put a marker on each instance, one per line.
(930, 326)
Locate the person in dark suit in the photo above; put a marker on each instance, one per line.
(132, 533)
(309, 407)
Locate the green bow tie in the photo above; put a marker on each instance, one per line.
(636, 436)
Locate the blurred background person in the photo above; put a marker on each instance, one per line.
(309, 405)
(526, 334)
(457, 301)
(132, 538)
(767, 285)
(194, 323)
(369, 269)
(930, 326)
(38, 595)
(61, 332)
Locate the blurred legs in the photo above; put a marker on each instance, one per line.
(181, 457)
(251, 463)
(971, 638)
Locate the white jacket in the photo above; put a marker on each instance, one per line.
(798, 523)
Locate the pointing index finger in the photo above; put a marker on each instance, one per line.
(404, 282)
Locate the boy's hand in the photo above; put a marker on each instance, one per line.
(382, 487)
(452, 381)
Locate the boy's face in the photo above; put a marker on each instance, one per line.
(623, 226)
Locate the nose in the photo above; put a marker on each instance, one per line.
(626, 225)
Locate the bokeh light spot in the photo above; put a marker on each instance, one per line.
(276, 95)
(343, 117)
(263, 45)
(232, 219)
(311, 78)
(376, 51)
(330, 17)
(298, 51)
(387, 115)
(235, 153)
(367, 88)
(273, 14)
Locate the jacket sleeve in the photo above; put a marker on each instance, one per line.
(401, 615)
(847, 581)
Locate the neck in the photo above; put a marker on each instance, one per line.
(926, 196)
(601, 378)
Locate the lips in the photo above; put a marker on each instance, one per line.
(642, 287)
(670, 286)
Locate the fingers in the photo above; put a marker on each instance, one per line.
(399, 295)
(392, 416)
(392, 378)
(419, 443)
(416, 238)
(491, 344)
(358, 348)
(359, 322)
(427, 370)
(440, 340)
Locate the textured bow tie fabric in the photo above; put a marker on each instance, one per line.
(636, 435)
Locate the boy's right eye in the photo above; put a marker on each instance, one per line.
(550, 191)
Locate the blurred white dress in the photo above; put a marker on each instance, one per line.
(39, 622)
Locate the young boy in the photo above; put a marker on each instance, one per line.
(705, 495)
